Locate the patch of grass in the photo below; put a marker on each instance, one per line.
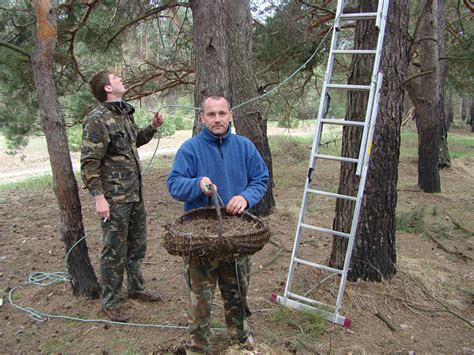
(34, 183)
(460, 146)
(216, 324)
(310, 325)
(413, 221)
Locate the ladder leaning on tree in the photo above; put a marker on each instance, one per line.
(301, 301)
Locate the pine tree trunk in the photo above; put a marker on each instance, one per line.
(444, 159)
(223, 61)
(471, 114)
(449, 110)
(211, 51)
(81, 273)
(248, 119)
(424, 94)
(374, 254)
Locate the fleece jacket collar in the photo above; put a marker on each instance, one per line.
(211, 138)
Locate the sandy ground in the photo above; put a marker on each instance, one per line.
(33, 160)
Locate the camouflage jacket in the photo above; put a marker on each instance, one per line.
(110, 164)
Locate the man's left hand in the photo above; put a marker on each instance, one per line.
(237, 204)
(157, 120)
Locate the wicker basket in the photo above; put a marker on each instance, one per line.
(196, 233)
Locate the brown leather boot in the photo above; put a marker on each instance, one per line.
(145, 296)
(117, 315)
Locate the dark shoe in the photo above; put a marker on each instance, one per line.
(117, 315)
(146, 296)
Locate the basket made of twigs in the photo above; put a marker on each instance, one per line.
(196, 233)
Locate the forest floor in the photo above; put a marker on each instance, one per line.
(427, 306)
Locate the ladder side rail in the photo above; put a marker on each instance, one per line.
(383, 6)
(360, 195)
(296, 243)
(314, 148)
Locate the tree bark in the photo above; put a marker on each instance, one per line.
(424, 95)
(462, 110)
(224, 64)
(449, 109)
(374, 254)
(211, 52)
(82, 276)
(249, 120)
(471, 115)
(444, 159)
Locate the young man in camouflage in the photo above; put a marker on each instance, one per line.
(110, 169)
(217, 159)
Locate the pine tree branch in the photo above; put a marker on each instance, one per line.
(74, 31)
(147, 14)
(414, 77)
(15, 48)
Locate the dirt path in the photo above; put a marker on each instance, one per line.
(33, 160)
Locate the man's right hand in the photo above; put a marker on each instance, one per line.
(102, 207)
(206, 186)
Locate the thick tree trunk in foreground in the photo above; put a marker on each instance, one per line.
(210, 51)
(424, 94)
(224, 64)
(374, 254)
(248, 119)
(82, 276)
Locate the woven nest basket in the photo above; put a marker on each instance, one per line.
(198, 233)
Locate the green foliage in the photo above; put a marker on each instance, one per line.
(181, 122)
(74, 137)
(143, 118)
(413, 221)
(288, 122)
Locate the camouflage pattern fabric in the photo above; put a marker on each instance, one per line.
(110, 163)
(124, 245)
(201, 277)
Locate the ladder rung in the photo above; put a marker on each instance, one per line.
(318, 266)
(348, 87)
(358, 16)
(332, 194)
(308, 300)
(325, 230)
(332, 157)
(343, 122)
(354, 51)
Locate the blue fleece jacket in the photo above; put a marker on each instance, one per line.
(232, 162)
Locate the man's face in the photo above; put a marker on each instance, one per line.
(216, 115)
(116, 88)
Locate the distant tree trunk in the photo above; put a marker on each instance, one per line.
(449, 109)
(223, 64)
(248, 119)
(471, 115)
(423, 92)
(374, 254)
(81, 273)
(462, 110)
(444, 159)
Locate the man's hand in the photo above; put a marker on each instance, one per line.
(206, 186)
(102, 207)
(157, 120)
(237, 204)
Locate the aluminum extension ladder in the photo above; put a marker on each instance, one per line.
(298, 301)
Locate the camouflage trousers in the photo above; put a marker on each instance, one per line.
(124, 245)
(233, 278)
